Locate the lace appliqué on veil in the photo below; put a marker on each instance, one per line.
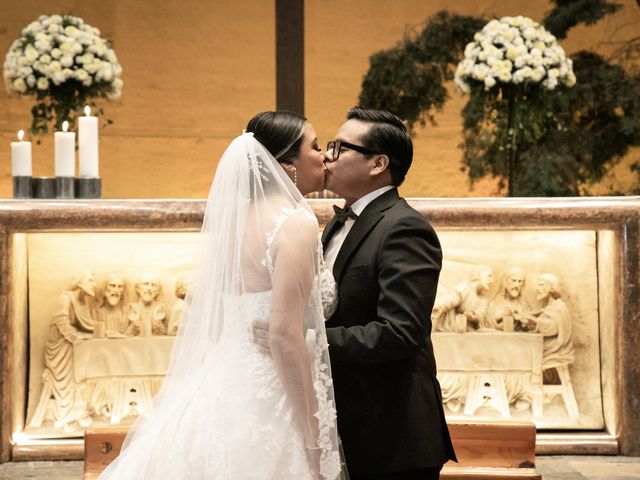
(324, 289)
(330, 464)
(328, 288)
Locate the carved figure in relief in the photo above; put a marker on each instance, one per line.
(72, 322)
(148, 314)
(553, 321)
(507, 309)
(507, 312)
(111, 311)
(458, 311)
(182, 285)
(464, 308)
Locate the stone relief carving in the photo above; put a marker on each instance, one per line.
(112, 320)
(182, 284)
(148, 314)
(498, 361)
(116, 392)
(466, 308)
(507, 312)
(112, 368)
(72, 323)
(506, 309)
(553, 320)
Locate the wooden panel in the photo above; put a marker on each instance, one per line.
(60, 450)
(486, 444)
(483, 473)
(101, 447)
(485, 450)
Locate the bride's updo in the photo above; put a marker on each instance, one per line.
(280, 132)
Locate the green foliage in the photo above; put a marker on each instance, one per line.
(564, 138)
(409, 79)
(601, 115)
(635, 167)
(490, 135)
(65, 102)
(569, 13)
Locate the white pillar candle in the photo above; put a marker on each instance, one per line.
(65, 152)
(88, 144)
(21, 157)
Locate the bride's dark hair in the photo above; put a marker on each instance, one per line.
(280, 132)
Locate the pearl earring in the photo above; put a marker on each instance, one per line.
(295, 176)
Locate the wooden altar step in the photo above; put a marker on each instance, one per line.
(492, 450)
(101, 447)
(485, 450)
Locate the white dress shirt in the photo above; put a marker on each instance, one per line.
(336, 241)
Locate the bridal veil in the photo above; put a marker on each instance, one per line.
(258, 241)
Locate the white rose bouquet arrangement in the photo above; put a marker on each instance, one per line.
(514, 50)
(65, 64)
(512, 70)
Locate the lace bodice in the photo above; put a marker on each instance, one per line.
(325, 282)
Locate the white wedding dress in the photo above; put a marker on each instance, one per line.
(230, 417)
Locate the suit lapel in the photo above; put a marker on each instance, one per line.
(372, 214)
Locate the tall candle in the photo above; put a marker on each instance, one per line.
(65, 152)
(88, 144)
(21, 157)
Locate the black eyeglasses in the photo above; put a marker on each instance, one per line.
(335, 147)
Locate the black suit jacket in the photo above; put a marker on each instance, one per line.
(390, 415)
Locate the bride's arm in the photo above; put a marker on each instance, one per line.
(294, 262)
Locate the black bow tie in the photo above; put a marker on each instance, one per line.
(343, 214)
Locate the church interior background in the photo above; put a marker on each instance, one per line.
(194, 73)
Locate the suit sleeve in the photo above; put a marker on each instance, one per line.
(409, 262)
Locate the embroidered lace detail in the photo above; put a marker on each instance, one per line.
(325, 288)
(328, 288)
(267, 261)
(330, 464)
(247, 429)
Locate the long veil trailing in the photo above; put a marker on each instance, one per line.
(225, 406)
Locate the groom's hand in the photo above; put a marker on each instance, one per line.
(260, 335)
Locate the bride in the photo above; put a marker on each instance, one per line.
(226, 409)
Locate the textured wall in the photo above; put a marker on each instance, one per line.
(196, 71)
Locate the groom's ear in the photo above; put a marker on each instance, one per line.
(380, 164)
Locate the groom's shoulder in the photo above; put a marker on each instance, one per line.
(402, 210)
(403, 214)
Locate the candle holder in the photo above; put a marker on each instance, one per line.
(44, 187)
(22, 187)
(88, 187)
(65, 187)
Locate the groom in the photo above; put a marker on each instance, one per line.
(386, 260)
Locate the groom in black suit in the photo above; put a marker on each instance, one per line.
(386, 260)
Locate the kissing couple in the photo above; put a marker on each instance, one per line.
(299, 357)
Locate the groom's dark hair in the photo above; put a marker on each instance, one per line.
(280, 132)
(387, 135)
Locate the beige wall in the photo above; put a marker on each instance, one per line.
(196, 71)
